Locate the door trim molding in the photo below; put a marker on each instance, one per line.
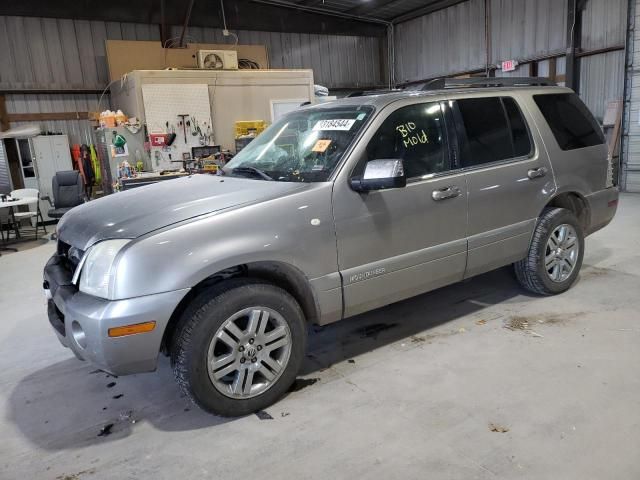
(388, 265)
(498, 234)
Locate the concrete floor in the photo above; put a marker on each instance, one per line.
(410, 391)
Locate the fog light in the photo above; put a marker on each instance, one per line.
(78, 334)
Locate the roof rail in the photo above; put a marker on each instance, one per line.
(365, 93)
(476, 82)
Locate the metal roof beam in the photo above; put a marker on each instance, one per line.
(426, 10)
(370, 7)
(241, 15)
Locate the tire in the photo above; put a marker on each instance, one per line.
(531, 271)
(201, 332)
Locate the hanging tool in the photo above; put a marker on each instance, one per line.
(171, 134)
(194, 126)
(208, 135)
(184, 124)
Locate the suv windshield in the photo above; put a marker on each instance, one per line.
(304, 146)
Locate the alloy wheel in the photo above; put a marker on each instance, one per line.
(249, 352)
(561, 254)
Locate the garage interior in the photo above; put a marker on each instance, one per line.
(479, 379)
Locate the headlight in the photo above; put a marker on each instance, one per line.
(97, 268)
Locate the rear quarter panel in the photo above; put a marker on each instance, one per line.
(582, 170)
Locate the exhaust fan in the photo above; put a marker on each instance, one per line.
(218, 59)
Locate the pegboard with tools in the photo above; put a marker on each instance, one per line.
(178, 117)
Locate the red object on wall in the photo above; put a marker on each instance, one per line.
(158, 139)
(509, 65)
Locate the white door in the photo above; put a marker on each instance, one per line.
(52, 155)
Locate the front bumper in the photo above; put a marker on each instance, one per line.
(82, 321)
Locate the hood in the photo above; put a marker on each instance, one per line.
(136, 212)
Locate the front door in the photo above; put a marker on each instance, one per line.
(509, 180)
(394, 244)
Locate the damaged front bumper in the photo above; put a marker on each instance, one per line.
(82, 322)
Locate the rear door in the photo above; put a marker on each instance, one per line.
(397, 243)
(509, 179)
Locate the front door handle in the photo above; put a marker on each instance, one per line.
(444, 193)
(536, 173)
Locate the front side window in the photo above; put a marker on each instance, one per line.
(304, 146)
(416, 135)
(570, 120)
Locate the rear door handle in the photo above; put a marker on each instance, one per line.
(537, 173)
(444, 193)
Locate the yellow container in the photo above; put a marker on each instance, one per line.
(120, 118)
(109, 120)
(246, 127)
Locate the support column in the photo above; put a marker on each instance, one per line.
(574, 35)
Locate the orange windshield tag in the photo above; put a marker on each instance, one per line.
(321, 146)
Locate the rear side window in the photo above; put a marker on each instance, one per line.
(570, 120)
(495, 130)
(519, 131)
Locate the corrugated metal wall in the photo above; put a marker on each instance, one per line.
(601, 80)
(78, 130)
(54, 53)
(45, 53)
(631, 130)
(604, 23)
(453, 41)
(447, 41)
(524, 29)
(59, 53)
(337, 61)
(602, 76)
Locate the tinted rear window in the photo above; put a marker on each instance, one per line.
(495, 130)
(570, 120)
(487, 131)
(519, 131)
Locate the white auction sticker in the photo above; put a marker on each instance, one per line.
(335, 124)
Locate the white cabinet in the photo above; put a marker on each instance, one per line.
(27, 163)
(5, 176)
(52, 154)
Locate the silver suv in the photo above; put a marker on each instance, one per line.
(334, 210)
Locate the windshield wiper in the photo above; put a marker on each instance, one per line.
(252, 170)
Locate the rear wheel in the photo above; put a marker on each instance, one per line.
(240, 348)
(555, 254)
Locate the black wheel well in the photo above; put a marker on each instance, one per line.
(280, 274)
(574, 202)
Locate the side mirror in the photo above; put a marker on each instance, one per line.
(379, 175)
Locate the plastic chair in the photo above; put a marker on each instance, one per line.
(6, 225)
(37, 214)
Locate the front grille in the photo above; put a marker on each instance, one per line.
(71, 256)
(56, 317)
(63, 248)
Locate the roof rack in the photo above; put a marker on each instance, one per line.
(479, 82)
(365, 93)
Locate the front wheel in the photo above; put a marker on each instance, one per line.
(555, 255)
(241, 348)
